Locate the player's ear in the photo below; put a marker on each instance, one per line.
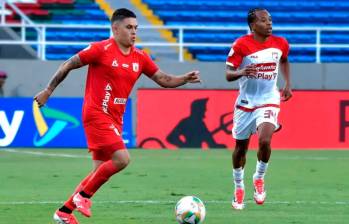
(114, 27)
(252, 27)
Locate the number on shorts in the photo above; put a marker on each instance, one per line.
(269, 113)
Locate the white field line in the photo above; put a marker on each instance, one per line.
(150, 202)
(66, 155)
(47, 154)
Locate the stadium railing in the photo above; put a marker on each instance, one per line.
(41, 41)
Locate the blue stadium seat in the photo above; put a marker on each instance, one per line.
(68, 12)
(313, 13)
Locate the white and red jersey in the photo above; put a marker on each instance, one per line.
(261, 90)
(110, 79)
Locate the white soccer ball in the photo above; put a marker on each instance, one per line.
(190, 210)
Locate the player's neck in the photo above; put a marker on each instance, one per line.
(124, 49)
(260, 38)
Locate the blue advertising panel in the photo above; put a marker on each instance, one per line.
(58, 124)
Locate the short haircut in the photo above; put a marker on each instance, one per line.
(121, 14)
(251, 16)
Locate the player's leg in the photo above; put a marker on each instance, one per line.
(239, 161)
(117, 161)
(69, 206)
(64, 214)
(120, 159)
(241, 132)
(266, 125)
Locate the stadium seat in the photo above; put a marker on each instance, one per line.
(313, 13)
(63, 12)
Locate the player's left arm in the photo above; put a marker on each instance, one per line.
(172, 81)
(285, 70)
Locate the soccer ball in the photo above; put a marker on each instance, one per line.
(190, 210)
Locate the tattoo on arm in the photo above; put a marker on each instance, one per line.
(63, 70)
(167, 78)
(163, 79)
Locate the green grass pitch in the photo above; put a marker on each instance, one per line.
(302, 186)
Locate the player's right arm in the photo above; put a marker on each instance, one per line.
(236, 54)
(232, 74)
(62, 72)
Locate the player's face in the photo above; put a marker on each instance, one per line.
(263, 23)
(125, 31)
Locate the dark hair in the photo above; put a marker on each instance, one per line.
(251, 16)
(121, 14)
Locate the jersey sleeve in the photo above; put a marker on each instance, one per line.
(149, 66)
(285, 49)
(235, 55)
(90, 54)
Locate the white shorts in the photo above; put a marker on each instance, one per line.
(246, 123)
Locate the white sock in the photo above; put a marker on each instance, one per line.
(238, 177)
(261, 168)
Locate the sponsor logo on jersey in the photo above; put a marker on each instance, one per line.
(108, 87)
(114, 63)
(125, 65)
(120, 100)
(261, 75)
(265, 71)
(266, 67)
(106, 98)
(135, 67)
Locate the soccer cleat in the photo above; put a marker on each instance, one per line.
(259, 192)
(238, 202)
(64, 218)
(83, 204)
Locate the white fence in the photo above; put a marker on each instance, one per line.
(42, 43)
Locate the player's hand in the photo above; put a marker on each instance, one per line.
(192, 77)
(42, 97)
(249, 70)
(286, 93)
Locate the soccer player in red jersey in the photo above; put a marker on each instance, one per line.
(254, 61)
(114, 67)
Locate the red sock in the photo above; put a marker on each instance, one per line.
(69, 203)
(101, 175)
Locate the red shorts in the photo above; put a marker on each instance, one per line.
(103, 139)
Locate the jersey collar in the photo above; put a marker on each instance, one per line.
(118, 49)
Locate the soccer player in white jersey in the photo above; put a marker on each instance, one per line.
(254, 61)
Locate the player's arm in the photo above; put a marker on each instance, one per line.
(62, 72)
(171, 81)
(285, 70)
(232, 74)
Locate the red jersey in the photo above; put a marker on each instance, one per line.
(110, 79)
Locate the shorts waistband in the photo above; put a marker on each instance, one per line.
(257, 107)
